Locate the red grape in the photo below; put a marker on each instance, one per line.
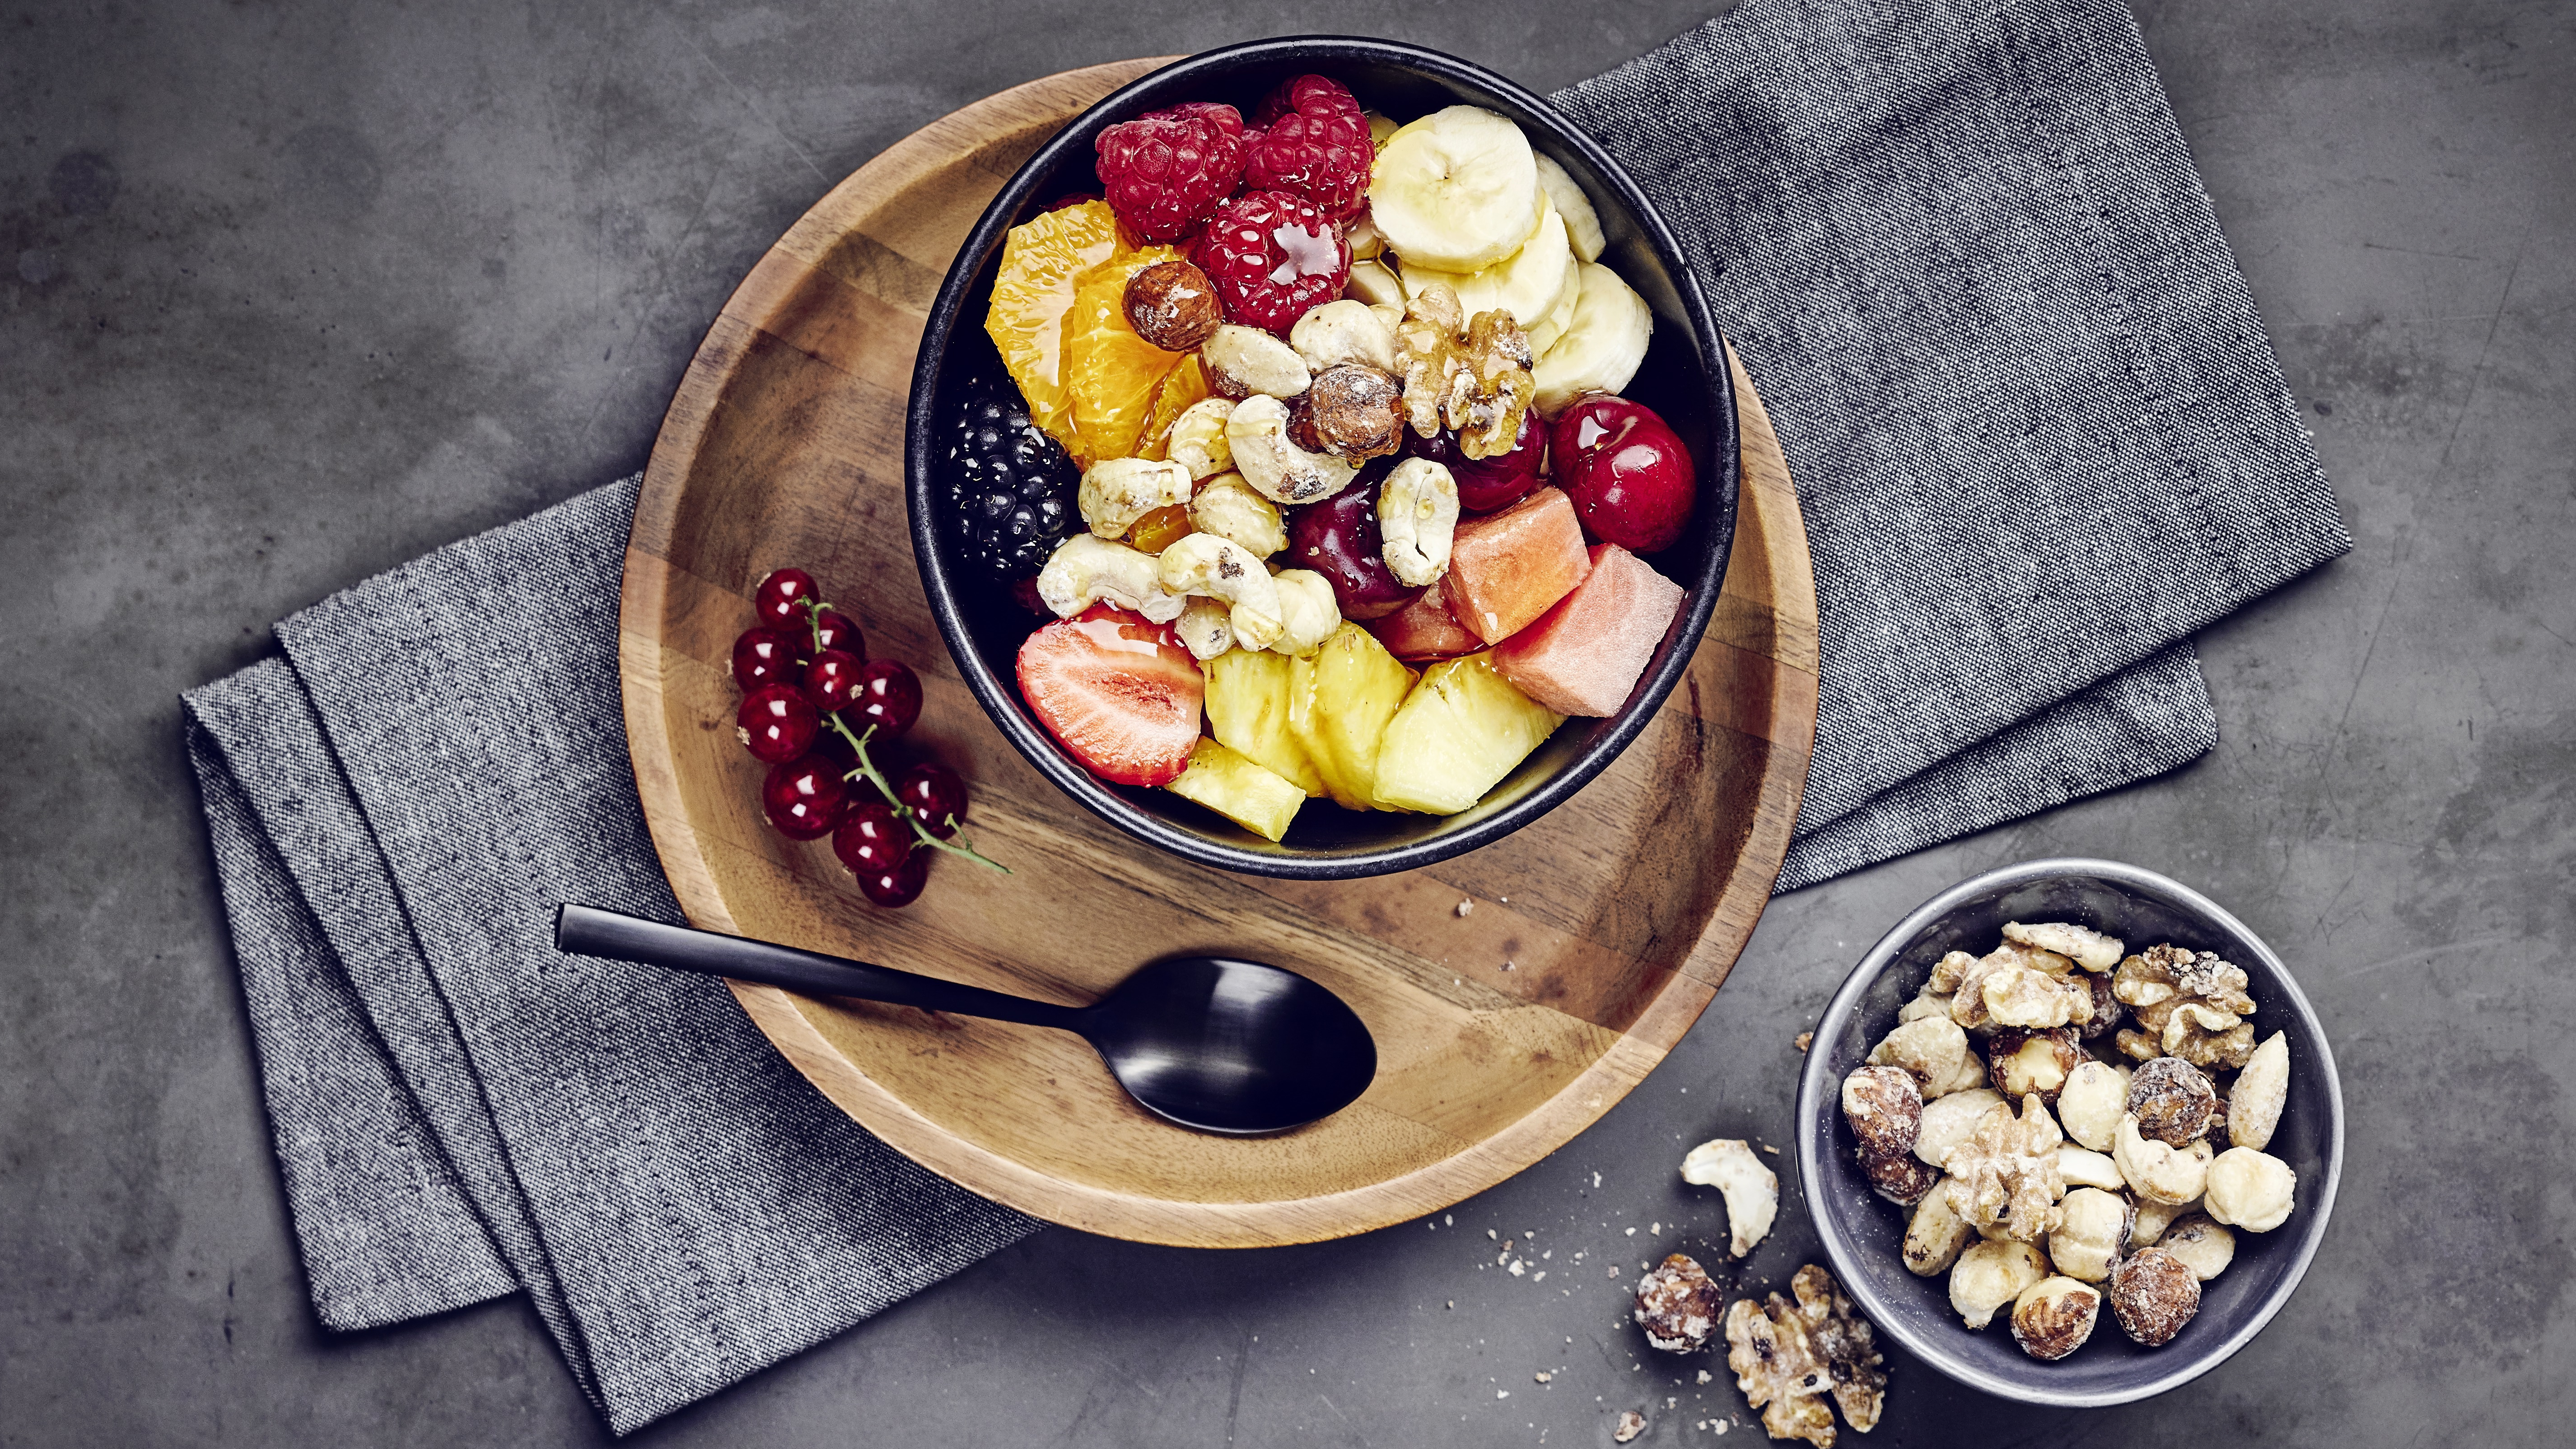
(776, 723)
(780, 599)
(1489, 485)
(888, 696)
(766, 656)
(934, 793)
(871, 839)
(899, 886)
(1631, 479)
(1339, 539)
(836, 630)
(803, 797)
(832, 680)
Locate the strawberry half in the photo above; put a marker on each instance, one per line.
(1122, 694)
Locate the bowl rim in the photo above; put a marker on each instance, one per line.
(1000, 701)
(1813, 1092)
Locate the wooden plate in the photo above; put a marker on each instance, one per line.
(1596, 937)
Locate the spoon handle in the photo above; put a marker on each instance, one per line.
(591, 931)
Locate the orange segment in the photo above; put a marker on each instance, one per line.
(1182, 386)
(1042, 262)
(1110, 373)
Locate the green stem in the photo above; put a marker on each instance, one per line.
(868, 768)
(814, 622)
(960, 846)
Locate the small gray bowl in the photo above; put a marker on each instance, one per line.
(1861, 1230)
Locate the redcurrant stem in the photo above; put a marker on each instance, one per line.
(868, 768)
(814, 621)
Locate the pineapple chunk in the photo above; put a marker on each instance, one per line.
(1247, 708)
(1460, 732)
(1239, 790)
(1339, 700)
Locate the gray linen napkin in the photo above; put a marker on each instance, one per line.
(2040, 438)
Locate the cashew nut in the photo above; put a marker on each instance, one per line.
(1375, 284)
(1308, 612)
(1220, 568)
(1277, 468)
(1246, 361)
(1085, 570)
(1751, 1190)
(2157, 1172)
(1206, 626)
(1198, 437)
(1116, 492)
(1417, 512)
(1228, 508)
(1344, 331)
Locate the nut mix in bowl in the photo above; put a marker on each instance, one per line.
(1311, 471)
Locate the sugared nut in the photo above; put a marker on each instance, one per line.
(2054, 1316)
(1930, 1048)
(2090, 1104)
(2254, 1102)
(2046, 962)
(1935, 1234)
(2154, 1218)
(2007, 1171)
(1971, 1072)
(1751, 1190)
(1884, 1108)
(1948, 972)
(2083, 1167)
(1929, 1003)
(1172, 305)
(1843, 1340)
(2157, 1172)
(1340, 332)
(2203, 1246)
(2251, 1190)
(2153, 1295)
(1197, 438)
(2159, 980)
(1968, 994)
(2108, 1013)
(2028, 997)
(1947, 1121)
(2026, 1063)
(2088, 948)
(2207, 1036)
(1630, 1424)
(1115, 492)
(1353, 412)
(1900, 1178)
(2092, 1229)
(1787, 1356)
(2172, 1100)
(1229, 508)
(1990, 1274)
(1244, 361)
(1677, 1305)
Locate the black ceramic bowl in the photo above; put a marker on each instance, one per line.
(1684, 378)
(1861, 1230)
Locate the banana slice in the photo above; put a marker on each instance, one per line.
(1582, 223)
(1544, 332)
(1601, 348)
(1456, 190)
(1525, 284)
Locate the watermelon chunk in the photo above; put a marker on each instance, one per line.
(1507, 568)
(1425, 629)
(1584, 655)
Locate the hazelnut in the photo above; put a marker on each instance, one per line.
(1884, 1108)
(2172, 1100)
(2090, 1104)
(1901, 1178)
(2090, 1232)
(2054, 1316)
(2026, 1062)
(1947, 1121)
(1935, 1234)
(1173, 305)
(1930, 1047)
(1991, 1274)
(2251, 1190)
(1352, 411)
(1677, 1305)
(2203, 1246)
(2107, 1010)
(2153, 1294)
(2254, 1105)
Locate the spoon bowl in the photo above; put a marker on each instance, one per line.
(1236, 1048)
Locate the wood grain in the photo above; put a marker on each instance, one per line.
(1599, 933)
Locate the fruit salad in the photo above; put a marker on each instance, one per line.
(1308, 446)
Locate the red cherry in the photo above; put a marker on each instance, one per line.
(766, 656)
(780, 599)
(1489, 485)
(888, 696)
(803, 797)
(833, 629)
(871, 839)
(899, 886)
(832, 680)
(776, 723)
(934, 793)
(1631, 479)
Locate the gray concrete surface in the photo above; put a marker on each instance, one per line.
(292, 291)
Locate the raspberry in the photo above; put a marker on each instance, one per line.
(1312, 139)
(1273, 257)
(1165, 170)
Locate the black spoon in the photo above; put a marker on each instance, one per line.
(1232, 1047)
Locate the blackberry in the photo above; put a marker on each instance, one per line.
(1013, 487)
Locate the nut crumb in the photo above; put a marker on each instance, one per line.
(1806, 1039)
(1631, 1424)
(1703, 1376)
(1466, 906)
(1542, 1376)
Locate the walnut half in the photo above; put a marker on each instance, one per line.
(1788, 1356)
